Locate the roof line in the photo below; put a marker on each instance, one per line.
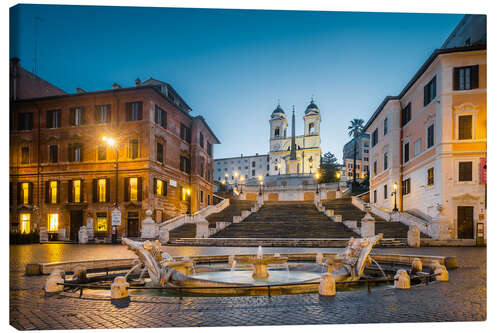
(419, 73)
(231, 158)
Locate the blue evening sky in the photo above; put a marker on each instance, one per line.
(232, 66)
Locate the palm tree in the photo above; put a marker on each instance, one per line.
(354, 130)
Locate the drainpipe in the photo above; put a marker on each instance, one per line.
(400, 159)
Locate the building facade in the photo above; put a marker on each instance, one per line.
(74, 158)
(361, 147)
(430, 140)
(230, 170)
(307, 146)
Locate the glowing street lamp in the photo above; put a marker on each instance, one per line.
(241, 183)
(393, 193)
(260, 184)
(338, 180)
(112, 143)
(316, 175)
(188, 192)
(310, 164)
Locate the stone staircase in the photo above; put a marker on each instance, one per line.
(349, 212)
(234, 209)
(187, 230)
(286, 220)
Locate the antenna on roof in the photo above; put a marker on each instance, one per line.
(35, 64)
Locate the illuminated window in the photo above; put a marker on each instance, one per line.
(101, 186)
(77, 186)
(159, 187)
(133, 189)
(53, 222)
(185, 192)
(24, 221)
(53, 191)
(102, 222)
(26, 193)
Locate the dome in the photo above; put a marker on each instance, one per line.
(312, 108)
(278, 112)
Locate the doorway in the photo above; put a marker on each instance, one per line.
(132, 224)
(465, 222)
(76, 221)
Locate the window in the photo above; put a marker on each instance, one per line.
(253, 172)
(365, 168)
(375, 168)
(375, 196)
(366, 151)
(160, 117)
(101, 152)
(24, 193)
(466, 78)
(430, 136)
(100, 188)
(406, 152)
(75, 152)
(430, 91)
(209, 149)
(159, 152)
(201, 196)
(385, 191)
(406, 186)
(53, 221)
(465, 127)
(25, 121)
(185, 193)
(417, 147)
(185, 133)
(75, 193)
(52, 192)
(133, 148)
(386, 158)
(102, 222)
(133, 189)
(102, 114)
(160, 187)
(386, 126)
(311, 128)
(406, 115)
(276, 132)
(133, 111)
(24, 222)
(375, 137)
(184, 164)
(202, 140)
(202, 167)
(365, 159)
(53, 153)
(465, 171)
(76, 116)
(25, 155)
(430, 176)
(53, 118)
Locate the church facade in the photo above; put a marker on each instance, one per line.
(294, 154)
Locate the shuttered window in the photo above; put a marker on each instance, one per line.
(25, 121)
(185, 133)
(25, 193)
(465, 171)
(465, 127)
(466, 78)
(160, 187)
(375, 137)
(406, 152)
(184, 164)
(103, 114)
(25, 155)
(101, 190)
(406, 115)
(406, 186)
(159, 152)
(52, 192)
(430, 136)
(75, 191)
(75, 152)
(76, 116)
(430, 91)
(53, 118)
(430, 177)
(133, 149)
(160, 117)
(134, 111)
(133, 189)
(53, 153)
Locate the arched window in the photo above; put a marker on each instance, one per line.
(311, 128)
(276, 132)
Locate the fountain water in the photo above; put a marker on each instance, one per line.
(260, 252)
(380, 268)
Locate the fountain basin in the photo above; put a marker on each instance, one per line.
(260, 265)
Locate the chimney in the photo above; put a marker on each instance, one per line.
(116, 86)
(137, 81)
(80, 91)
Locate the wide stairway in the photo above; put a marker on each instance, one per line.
(286, 220)
(348, 211)
(234, 209)
(187, 230)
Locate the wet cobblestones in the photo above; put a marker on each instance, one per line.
(461, 299)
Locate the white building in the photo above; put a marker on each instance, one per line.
(247, 167)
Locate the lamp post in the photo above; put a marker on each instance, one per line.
(394, 193)
(316, 175)
(310, 164)
(112, 143)
(338, 180)
(260, 184)
(279, 169)
(236, 179)
(226, 176)
(241, 183)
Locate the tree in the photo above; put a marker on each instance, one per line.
(328, 168)
(354, 130)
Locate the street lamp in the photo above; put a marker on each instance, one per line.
(241, 183)
(260, 184)
(338, 180)
(279, 167)
(226, 176)
(310, 164)
(112, 143)
(316, 175)
(236, 179)
(393, 193)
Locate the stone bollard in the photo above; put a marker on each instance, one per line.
(413, 236)
(327, 285)
(230, 260)
(202, 230)
(402, 280)
(52, 283)
(83, 235)
(149, 228)
(319, 258)
(119, 288)
(434, 265)
(164, 235)
(416, 265)
(79, 273)
(367, 226)
(442, 273)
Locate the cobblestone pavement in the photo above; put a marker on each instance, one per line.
(463, 298)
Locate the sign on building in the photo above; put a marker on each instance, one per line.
(116, 217)
(173, 183)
